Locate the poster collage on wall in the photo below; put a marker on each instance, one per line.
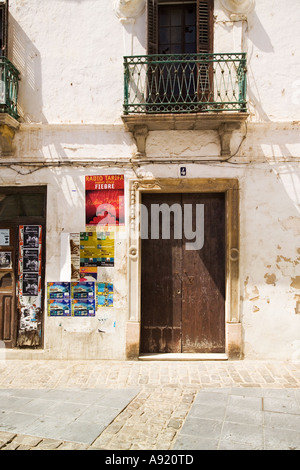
(30, 283)
(91, 251)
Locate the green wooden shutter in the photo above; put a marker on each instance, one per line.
(3, 27)
(205, 9)
(152, 20)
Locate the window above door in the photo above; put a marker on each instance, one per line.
(188, 23)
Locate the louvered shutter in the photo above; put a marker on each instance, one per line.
(3, 27)
(152, 20)
(205, 25)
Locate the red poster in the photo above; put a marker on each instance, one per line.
(104, 200)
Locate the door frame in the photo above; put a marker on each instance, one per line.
(233, 331)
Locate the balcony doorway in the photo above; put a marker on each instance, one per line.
(177, 33)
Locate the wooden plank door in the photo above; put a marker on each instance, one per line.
(7, 285)
(203, 280)
(183, 291)
(161, 284)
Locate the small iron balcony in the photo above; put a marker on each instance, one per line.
(9, 85)
(186, 83)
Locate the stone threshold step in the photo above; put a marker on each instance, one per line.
(183, 357)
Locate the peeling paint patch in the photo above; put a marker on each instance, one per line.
(254, 294)
(270, 278)
(295, 282)
(281, 258)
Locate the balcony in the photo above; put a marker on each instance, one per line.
(9, 84)
(183, 92)
(8, 88)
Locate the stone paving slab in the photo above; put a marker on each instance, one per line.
(168, 392)
(63, 414)
(242, 419)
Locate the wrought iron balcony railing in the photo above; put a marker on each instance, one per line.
(9, 85)
(185, 83)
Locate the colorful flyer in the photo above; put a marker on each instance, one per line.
(105, 294)
(83, 290)
(59, 308)
(59, 299)
(106, 247)
(97, 249)
(71, 299)
(58, 290)
(83, 307)
(104, 199)
(88, 249)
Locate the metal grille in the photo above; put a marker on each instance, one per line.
(9, 78)
(185, 83)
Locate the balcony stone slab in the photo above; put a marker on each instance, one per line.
(223, 122)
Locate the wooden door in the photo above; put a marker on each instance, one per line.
(7, 285)
(183, 290)
(203, 281)
(161, 287)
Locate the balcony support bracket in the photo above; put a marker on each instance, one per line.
(225, 133)
(140, 133)
(8, 127)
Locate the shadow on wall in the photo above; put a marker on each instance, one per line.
(259, 39)
(27, 59)
(258, 35)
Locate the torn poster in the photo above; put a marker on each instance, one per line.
(29, 285)
(75, 256)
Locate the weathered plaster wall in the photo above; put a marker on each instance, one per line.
(69, 52)
(70, 56)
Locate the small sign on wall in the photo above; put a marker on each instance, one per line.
(4, 237)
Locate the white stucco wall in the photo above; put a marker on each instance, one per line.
(70, 56)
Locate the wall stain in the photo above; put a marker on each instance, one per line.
(295, 282)
(270, 278)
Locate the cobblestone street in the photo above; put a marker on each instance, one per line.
(165, 394)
